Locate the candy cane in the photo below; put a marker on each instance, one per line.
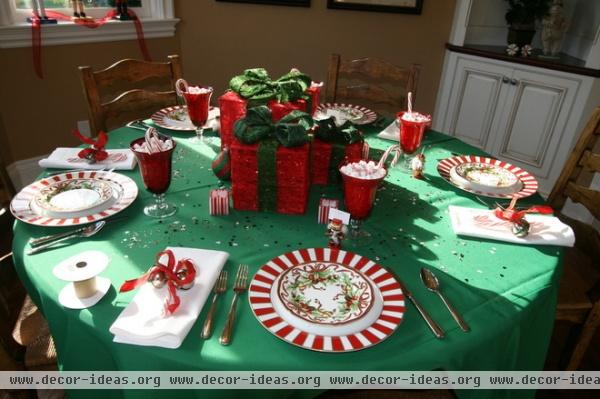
(178, 85)
(385, 155)
(365, 151)
(410, 102)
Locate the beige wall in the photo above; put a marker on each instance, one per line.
(220, 39)
(217, 40)
(39, 114)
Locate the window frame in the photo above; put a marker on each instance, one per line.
(157, 18)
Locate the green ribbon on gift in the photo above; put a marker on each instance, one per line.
(339, 137)
(256, 86)
(330, 132)
(257, 127)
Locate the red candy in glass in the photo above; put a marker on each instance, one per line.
(359, 195)
(155, 168)
(198, 105)
(315, 95)
(411, 133)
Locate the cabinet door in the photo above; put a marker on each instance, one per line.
(478, 92)
(533, 122)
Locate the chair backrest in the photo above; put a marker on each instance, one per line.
(574, 181)
(371, 82)
(109, 106)
(584, 161)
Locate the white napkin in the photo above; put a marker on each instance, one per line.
(545, 230)
(142, 321)
(391, 132)
(67, 158)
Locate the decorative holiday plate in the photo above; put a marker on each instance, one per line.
(71, 196)
(345, 112)
(326, 300)
(487, 176)
(109, 194)
(176, 118)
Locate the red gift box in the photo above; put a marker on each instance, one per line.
(233, 107)
(279, 110)
(288, 193)
(325, 204)
(325, 159)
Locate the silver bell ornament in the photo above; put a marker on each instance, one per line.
(521, 228)
(158, 279)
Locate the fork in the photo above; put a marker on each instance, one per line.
(241, 279)
(220, 287)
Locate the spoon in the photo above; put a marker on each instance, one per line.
(85, 232)
(432, 284)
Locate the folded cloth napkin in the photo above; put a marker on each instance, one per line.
(391, 132)
(66, 158)
(142, 321)
(544, 230)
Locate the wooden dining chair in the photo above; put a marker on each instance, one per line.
(579, 295)
(25, 340)
(371, 82)
(149, 86)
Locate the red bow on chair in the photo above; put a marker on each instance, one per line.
(96, 152)
(173, 275)
(515, 216)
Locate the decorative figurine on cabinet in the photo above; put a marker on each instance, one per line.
(78, 9)
(39, 11)
(122, 12)
(554, 27)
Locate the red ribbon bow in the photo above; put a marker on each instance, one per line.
(515, 216)
(170, 271)
(96, 151)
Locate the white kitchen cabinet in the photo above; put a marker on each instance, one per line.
(528, 116)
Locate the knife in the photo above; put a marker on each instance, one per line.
(36, 242)
(435, 328)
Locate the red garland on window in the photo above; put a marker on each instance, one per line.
(36, 33)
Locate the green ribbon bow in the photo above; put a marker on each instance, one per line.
(339, 137)
(256, 86)
(289, 131)
(257, 127)
(345, 134)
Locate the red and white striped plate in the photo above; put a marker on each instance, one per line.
(21, 207)
(163, 118)
(530, 184)
(330, 109)
(259, 296)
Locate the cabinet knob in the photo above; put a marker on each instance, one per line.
(514, 82)
(505, 79)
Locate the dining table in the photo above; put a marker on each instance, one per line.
(505, 292)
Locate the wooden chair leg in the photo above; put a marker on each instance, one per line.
(587, 333)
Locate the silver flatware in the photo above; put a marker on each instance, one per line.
(84, 232)
(241, 280)
(220, 287)
(70, 171)
(435, 328)
(433, 285)
(138, 124)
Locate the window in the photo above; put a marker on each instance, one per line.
(93, 8)
(156, 16)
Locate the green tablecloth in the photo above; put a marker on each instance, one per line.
(506, 292)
